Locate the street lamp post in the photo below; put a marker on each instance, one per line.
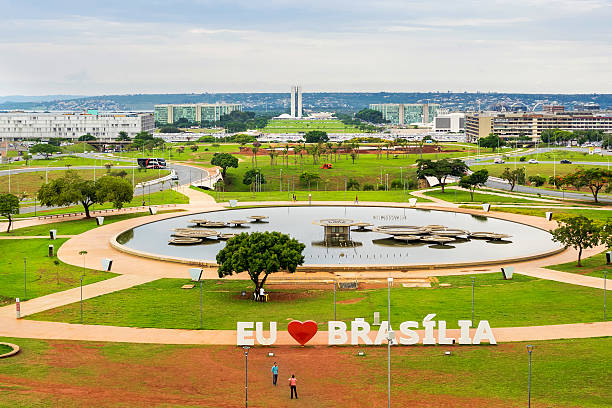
(529, 350)
(473, 284)
(82, 276)
(25, 279)
(605, 279)
(246, 376)
(335, 302)
(201, 306)
(389, 339)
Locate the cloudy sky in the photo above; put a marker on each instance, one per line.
(133, 46)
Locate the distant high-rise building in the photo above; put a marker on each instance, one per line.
(508, 125)
(407, 113)
(553, 108)
(193, 112)
(72, 125)
(296, 101)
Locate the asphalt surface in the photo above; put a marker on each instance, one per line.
(185, 175)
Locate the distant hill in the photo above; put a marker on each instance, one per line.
(319, 101)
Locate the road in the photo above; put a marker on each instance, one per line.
(185, 175)
(532, 190)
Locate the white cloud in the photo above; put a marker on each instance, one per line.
(489, 47)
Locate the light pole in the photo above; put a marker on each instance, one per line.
(529, 350)
(389, 339)
(335, 302)
(201, 306)
(82, 276)
(473, 284)
(605, 279)
(246, 376)
(25, 279)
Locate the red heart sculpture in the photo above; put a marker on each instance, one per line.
(302, 332)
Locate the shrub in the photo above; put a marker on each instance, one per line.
(523, 158)
(537, 180)
(381, 187)
(368, 187)
(397, 184)
(352, 184)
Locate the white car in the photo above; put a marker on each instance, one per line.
(532, 161)
(498, 161)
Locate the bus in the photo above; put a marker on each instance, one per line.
(151, 163)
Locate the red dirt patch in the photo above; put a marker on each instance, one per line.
(81, 374)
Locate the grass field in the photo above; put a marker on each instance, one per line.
(543, 169)
(601, 215)
(560, 154)
(387, 196)
(5, 349)
(592, 266)
(30, 182)
(73, 227)
(164, 304)
(296, 125)
(460, 196)
(51, 373)
(158, 198)
(58, 161)
(43, 276)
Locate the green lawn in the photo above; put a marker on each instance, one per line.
(305, 125)
(592, 266)
(561, 154)
(158, 198)
(51, 373)
(43, 276)
(73, 227)
(5, 349)
(601, 215)
(164, 304)
(542, 169)
(387, 196)
(459, 196)
(30, 182)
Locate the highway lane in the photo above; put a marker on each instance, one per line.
(185, 174)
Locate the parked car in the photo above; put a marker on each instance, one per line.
(532, 161)
(498, 161)
(565, 161)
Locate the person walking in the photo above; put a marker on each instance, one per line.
(356, 199)
(274, 373)
(292, 386)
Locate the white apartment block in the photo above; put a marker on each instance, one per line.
(105, 126)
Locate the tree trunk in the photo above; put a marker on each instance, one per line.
(10, 221)
(579, 256)
(472, 194)
(86, 207)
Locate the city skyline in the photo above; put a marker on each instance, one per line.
(131, 47)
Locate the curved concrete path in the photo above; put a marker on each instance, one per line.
(135, 271)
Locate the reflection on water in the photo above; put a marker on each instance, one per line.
(366, 248)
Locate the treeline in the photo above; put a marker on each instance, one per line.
(558, 136)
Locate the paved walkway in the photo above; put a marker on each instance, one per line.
(33, 236)
(74, 295)
(136, 270)
(66, 331)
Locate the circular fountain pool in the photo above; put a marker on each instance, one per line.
(363, 247)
